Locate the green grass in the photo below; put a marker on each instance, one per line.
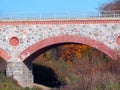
(7, 83)
(10, 84)
(108, 86)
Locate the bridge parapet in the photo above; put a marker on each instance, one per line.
(84, 14)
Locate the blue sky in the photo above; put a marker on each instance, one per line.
(13, 7)
(48, 5)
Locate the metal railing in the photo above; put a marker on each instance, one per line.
(61, 15)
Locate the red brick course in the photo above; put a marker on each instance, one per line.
(68, 38)
(60, 22)
(4, 54)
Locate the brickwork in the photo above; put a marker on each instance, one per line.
(19, 39)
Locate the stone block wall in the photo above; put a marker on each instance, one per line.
(19, 39)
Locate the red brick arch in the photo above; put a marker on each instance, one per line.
(4, 54)
(67, 38)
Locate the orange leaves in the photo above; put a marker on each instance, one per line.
(66, 52)
(71, 51)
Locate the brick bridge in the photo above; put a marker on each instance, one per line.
(19, 39)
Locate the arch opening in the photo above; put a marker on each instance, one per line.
(44, 45)
(3, 65)
(46, 75)
(3, 76)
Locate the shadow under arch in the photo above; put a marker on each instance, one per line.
(4, 54)
(3, 65)
(43, 75)
(67, 39)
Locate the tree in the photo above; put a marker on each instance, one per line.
(112, 7)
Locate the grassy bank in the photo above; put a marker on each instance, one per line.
(10, 84)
